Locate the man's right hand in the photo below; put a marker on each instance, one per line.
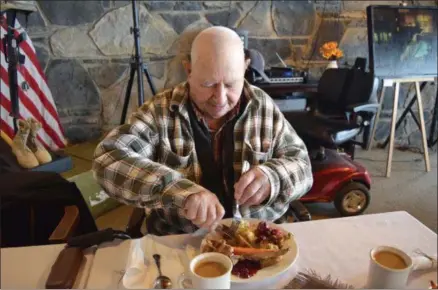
(204, 209)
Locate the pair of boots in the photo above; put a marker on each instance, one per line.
(29, 151)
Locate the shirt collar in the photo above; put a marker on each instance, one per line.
(180, 95)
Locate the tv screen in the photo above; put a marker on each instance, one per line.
(402, 41)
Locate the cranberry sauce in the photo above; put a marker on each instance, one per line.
(246, 268)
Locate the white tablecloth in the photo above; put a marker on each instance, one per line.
(29, 267)
(337, 247)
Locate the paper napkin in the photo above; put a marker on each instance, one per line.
(141, 270)
(136, 269)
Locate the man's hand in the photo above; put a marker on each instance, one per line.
(204, 209)
(252, 188)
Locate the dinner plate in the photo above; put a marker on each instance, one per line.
(270, 272)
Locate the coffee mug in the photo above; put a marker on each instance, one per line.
(222, 281)
(389, 268)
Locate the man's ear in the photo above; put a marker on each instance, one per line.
(187, 66)
(247, 62)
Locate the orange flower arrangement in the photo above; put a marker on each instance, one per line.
(330, 51)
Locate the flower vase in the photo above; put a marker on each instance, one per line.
(332, 64)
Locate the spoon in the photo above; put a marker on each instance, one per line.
(162, 282)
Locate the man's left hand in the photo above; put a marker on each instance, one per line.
(253, 188)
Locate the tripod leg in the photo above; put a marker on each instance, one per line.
(127, 95)
(148, 76)
(400, 120)
(414, 118)
(376, 118)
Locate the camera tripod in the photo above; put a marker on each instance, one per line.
(138, 66)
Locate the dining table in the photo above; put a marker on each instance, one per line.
(337, 247)
(29, 267)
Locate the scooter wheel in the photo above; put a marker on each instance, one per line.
(353, 199)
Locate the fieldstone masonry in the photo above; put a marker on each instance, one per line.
(85, 48)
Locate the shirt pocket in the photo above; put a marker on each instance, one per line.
(256, 157)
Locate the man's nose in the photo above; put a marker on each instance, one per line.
(220, 94)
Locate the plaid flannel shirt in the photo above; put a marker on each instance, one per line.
(151, 161)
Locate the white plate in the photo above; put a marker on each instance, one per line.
(272, 271)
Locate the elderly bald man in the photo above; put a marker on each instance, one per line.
(181, 154)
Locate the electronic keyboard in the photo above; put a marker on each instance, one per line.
(287, 80)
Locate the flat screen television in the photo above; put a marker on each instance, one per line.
(402, 41)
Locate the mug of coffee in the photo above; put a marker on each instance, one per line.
(389, 268)
(210, 271)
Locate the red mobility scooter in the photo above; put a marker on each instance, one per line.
(342, 109)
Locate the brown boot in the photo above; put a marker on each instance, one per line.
(25, 156)
(34, 145)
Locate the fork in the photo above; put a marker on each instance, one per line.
(237, 217)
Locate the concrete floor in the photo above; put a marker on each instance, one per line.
(409, 188)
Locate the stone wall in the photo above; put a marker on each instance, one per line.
(85, 48)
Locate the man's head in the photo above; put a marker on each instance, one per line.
(216, 71)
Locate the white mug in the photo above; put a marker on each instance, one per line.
(382, 277)
(220, 282)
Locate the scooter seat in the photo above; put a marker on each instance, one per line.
(320, 131)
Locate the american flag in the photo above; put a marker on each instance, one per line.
(37, 101)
